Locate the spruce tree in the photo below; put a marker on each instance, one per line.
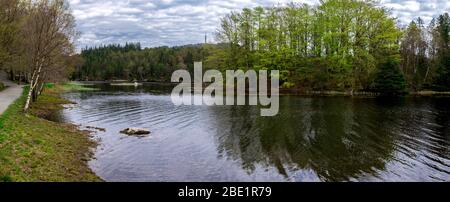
(442, 80)
(389, 79)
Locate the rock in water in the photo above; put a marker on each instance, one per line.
(135, 131)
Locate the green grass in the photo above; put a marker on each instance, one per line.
(34, 149)
(49, 85)
(75, 86)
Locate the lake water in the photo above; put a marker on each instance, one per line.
(312, 139)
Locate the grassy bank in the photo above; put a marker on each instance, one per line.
(75, 86)
(34, 149)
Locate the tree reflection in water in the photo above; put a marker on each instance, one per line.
(339, 139)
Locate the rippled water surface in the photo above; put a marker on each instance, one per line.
(312, 139)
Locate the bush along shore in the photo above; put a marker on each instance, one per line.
(35, 149)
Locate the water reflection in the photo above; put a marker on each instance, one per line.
(312, 139)
(320, 134)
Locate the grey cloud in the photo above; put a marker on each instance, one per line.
(178, 22)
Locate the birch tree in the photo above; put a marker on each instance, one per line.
(50, 32)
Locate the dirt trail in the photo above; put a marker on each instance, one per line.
(10, 94)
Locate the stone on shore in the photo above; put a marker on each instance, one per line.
(135, 131)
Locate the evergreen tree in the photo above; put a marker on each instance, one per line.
(389, 79)
(442, 80)
(335, 45)
(131, 62)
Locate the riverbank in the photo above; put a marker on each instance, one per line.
(311, 138)
(282, 91)
(35, 149)
(424, 93)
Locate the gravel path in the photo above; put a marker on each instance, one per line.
(10, 94)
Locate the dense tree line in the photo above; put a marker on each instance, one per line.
(426, 54)
(36, 42)
(347, 45)
(339, 44)
(131, 62)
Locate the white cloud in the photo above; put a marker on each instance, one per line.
(178, 22)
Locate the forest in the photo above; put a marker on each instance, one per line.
(344, 45)
(339, 45)
(131, 62)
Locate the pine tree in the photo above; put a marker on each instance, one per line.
(442, 80)
(389, 79)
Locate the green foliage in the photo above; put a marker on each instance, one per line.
(131, 62)
(75, 86)
(442, 60)
(2, 86)
(442, 80)
(49, 85)
(389, 79)
(335, 45)
(5, 178)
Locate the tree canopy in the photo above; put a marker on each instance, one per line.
(131, 62)
(335, 45)
(36, 42)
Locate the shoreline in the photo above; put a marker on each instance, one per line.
(33, 148)
(288, 91)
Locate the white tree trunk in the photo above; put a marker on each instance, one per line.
(426, 75)
(27, 103)
(33, 83)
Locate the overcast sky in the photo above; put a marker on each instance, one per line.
(179, 22)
